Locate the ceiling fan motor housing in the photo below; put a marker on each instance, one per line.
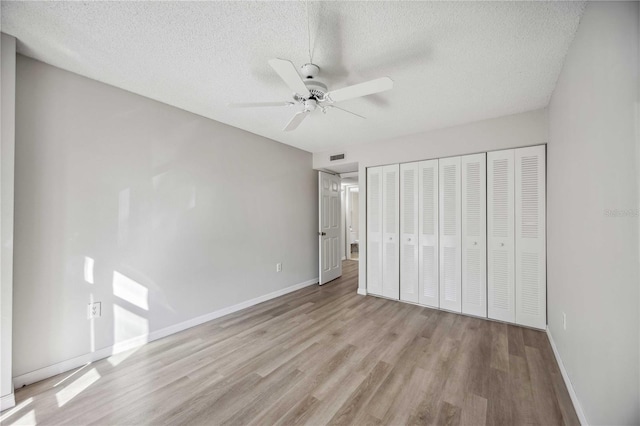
(317, 89)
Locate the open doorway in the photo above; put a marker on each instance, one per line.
(353, 226)
(351, 216)
(339, 224)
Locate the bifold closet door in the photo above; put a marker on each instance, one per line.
(428, 272)
(474, 235)
(409, 232)
(390, 231)
(500, 236)
(450, 234)
(374, 230)
(530, 248)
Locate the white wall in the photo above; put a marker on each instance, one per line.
(7, 147)
(593, 258)
(529, 128)
(179, 216)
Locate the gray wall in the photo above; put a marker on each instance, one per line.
(593, 257)
(180, 215)
(7, 149)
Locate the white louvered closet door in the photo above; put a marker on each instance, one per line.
(428, 274)
(450, 234)
(474, 235)
(374, 230)
(409, 246)
(500, 236)
(531, 286)
(390, 231)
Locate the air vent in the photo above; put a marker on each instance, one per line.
(336, 157)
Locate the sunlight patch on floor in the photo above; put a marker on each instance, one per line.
(15, 409)
(27, 419)
(74, 389)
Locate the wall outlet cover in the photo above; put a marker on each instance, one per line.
(94, 310)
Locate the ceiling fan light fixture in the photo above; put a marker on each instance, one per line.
(310, 105)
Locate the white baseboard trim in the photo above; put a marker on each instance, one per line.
(7, 401)
(567, 382)
(362, 291)
(61, 367)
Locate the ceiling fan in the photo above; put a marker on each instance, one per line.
(311, 94)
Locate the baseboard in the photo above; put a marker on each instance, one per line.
(7, 401)
(362, 291)
(70, 364)
(567, 381)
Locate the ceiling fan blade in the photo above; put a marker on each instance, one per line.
(362, 89)
(260, 104)
(289, 74)
(345, 110)
(295, 121)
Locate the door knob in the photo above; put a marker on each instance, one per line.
(322, 234)
(501, 244)
(475, 243)
(409, 239)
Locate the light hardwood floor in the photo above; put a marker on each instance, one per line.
(319, 355)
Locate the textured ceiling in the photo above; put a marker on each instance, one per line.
(452, 62)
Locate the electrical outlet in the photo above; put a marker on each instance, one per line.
(564, 321)
(278, 267)
(94, 310)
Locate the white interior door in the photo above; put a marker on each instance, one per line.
(390, 231)
(474, 235)
(450, 234)
(428, 229)
(374, 230)
(409, 246)
(531, 286)
(500, 236)
(330, 227)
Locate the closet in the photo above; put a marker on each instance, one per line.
(428, 266)
(409, 233)
(530, 236)
(450, 234)
(383, 228)
(474, 235)
(465, 234)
